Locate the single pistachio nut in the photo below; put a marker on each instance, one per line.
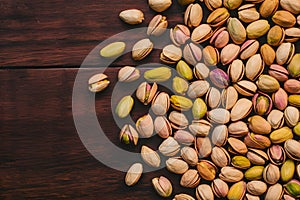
(259, 125)
(204, 191)
(207, 170)
(159, 5)
(134, 174)
(184, 137)
(288, 197)
(144, 125)
(237, 191)
(251, 197)
(287, 170)
(262, 103)
(240, 162)
(169, 147)
(292, 149)
(268, 54)
(294, 100)
(236, 146)
(248, 13)
(178, 120)
(190, 179)
(254, 173)
(219, 135)
(229, 97)
(124, 107)
(257, 187)
(241, 109)
(162, 186)
(98, 82)
(285, 53)
(268, 84)
(231, 174)
(238, 129)
(213, 97)
(193, 15)
(271, 174)
(248, 49)
(281, 135)
(201, 71)
(236, 29)
(220, 157)
(184, 70)
(257, 157)
(229, 53)
(180, 85)
(274, 192)
(189, 155)
(162, 127)
(293, 67)
(201, 33)
(218, 17)
(219, 188)
(181, 103)
(220, 38)
(132, 16)
(257, 141)
(245, 87)
(203, 146)
(183, 197)
(145, 92)
(185, 2)
(275, 36)
(199, 109)
(292, 86)
(176, 165)
(150, 157)
(232, 4)
(279, 72)
(292, 34)
(276, 154)
(296, 129)
(192, 54)
(128, 135)
(198, 89)
(128, 74)
(219, 116)
(257, 29)
(291, 116)
(276, 119)
(268, 8)
(293, 188)
(236, 70)
(157, 26)
(180, 34)
(284, 18)
(211, 56)
(291, 6)
(160, 103)
(254, 67)
(213, 4)
(141, 49)
(159, 74)
(113, 50)
(171, 54)
(219, 78)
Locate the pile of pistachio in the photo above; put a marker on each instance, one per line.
(244, 138)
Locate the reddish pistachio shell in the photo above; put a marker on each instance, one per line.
(278, 72)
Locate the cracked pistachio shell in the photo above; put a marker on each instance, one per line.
(229, 97)
(201, 33)
(98, 82)
(181, 103)
(284, 19)
(238, 129)
(291, 6)
(199, 109)
(184, 137)
(293, 188)
(184, 70)
(207, 170)
(294, 67)
(232, 4)
(190, 179)
(257, 157)
(141, 49)
(169, 147)
(241, 109)
(294, 100)
(257, 187)
(211, 56)
(268, 8)
(291, 116)
(200, 128)
(159, 5)
(275, 36)
(213, 97)
(276, 119)
(259, 125)
(124, 107)
(192, 54)
(220, 156)
(193, 15)
(287, 170)
(248, 49)
(150, 157)
(268, 54)
(204, 191)
(254, 67)
(236, 146)
(271, 174)
(162, 127)
(113, 50)
(237, 191)
(160, 103)
(262, 103)
(213, 4)
(231, 174)
(171, 54)
(183, 197)
(220, 38)
(134, 174)
(159, 74)
(218, 17)
(128, 135)
(178, 120)
(145, 92)
(236, 70)
(292, 86)
(219, 188)
(240, 162)
(180, 85)
(198, 89)
(281, 135)
(157, 26)
(279, 72)
(254, 173)
(219, 135)
(229, 53)
(248, 13)
(257, 141)
(276, 154)
(144, 125)
(219, 78)
(236, 30)
(177, 166)
(257, 29)
(285, 53)
(274, 192)
(219, 116)
(189, 155)
(292, 149)
(201, 71)
(203, 146)
(268, 84)
(162, 186)
(296, 129)
(132, 16)
(128, 74)
(292, 34)
(180, 34)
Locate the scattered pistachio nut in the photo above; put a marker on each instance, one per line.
(98, 82)
(128, 135)
(163, 186)
(132, 16)
(150, 157)
(159, 74)
(193, 15)
(162, 127)
(144, 125)
(176, 165)
(169, 147)
(145, 92)
(128, 74)
(190, 179)
(157, 26)
(204, 191)
(159, 5)
(134, 174)
(124, 107)
(113, 50)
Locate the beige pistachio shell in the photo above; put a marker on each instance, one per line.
(204, 191)
(134, 174)
(132, 16)
(157, 26)
(162, 186)
(128, 74)
(141, 49)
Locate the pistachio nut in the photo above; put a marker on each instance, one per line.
(279, 72)
(293, 67)
(284, 18)
(276, 119)
(257, 141)
(262, 103)
(183, 197)
(268, 54)
(124, 106)
(219, 78)
(229, 97)
(141, 49)
(219, 188)
(198, 89)
(213, 97)
(237, 191)
(211, 56)
(287, 170)
(276, 154)
(145, 92)
(132, 16)
(271, 174)
(285, 53)
(190, 179)
(257, 187)
(240, 162)
(236, 70)
(204, 191)
(229, 53)
(159, 74)
(201, 71)
(184, 70)
(193, 15)
(288, 197)
(180, 85)
(294, 100)
(157, 26)
(275, 36)
(176, 165)
(113, 50)
(181, 103)
(236, 146)
(274, 192)
(199, 109)
(189, 155)
(257, 157)
(248, 13)
(162, 127)
(144, 125)
(213, 4)
(245, 87)
(184, 137)
(159, 5)
(291, 6)
(254, 173)
(192, 54)
(238, 129)
(220, 38)
(254, 67)
(291, 116)
(236, 29)
(160, 103)
(231, 174)
(241, 109)
(259, 125)
(218, 17)
(257, 28)
(219, 135)
(128, 135)
(98, 82)
(207, 170)
(296, 129)
(169, 147)
(292, 34)
(248, 49)
(220, 156)
(293, 188)
(150, 157)
(251, 197)
(133, 174)
(128, 74)
(201, 33)
(292, 149)
(268, 84)
(281, 135)
(162, 186)
(203, 147)
(268, 8)
(185, 2)
(180, 34)
(178, 120)
(171, 54)
(219, 116)
(232, 4)
(292, 86)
